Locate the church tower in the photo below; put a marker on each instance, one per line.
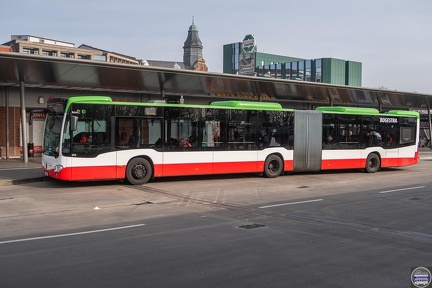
(192, 55)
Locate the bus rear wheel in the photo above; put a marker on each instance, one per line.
(373, 163)
(273, 166)
(138, 171)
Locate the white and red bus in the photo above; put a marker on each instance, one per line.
(95, 138)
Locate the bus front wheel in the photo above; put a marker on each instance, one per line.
(273, 166)
(138, 171)
(373, 163)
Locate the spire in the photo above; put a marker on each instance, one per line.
(193, 27)
(192, 47)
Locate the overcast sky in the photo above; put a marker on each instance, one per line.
(392, 38)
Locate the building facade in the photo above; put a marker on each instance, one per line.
(248, 61)
(34, 45)
(27, 44)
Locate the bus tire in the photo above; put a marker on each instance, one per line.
(138, 171)
(273, 166)
(373, 163)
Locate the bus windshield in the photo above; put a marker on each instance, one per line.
(51, 141)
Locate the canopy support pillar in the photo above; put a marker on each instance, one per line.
(23, 122)
(7, 121)
(430, 122)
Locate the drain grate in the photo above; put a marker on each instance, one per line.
(251, 226)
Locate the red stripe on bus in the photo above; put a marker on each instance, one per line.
(330, 164)
(185, 169)
(86, 173)
(393, 162)
(209, 168)
(164, 170)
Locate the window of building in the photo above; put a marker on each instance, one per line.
(83, 56)
(318, 70)
(308, 70)
(100, 58)
(33, 51)
(288, 71)
(67, 55)
(278, 70)
(301, 69)
(49, 53)
(294, 71)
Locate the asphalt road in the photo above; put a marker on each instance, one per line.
(332, 229)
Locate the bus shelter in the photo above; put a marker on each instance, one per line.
(19, 72)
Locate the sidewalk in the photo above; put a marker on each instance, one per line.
(14, 171)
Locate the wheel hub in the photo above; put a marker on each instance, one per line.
(139, 171)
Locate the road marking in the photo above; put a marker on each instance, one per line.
(70, 234)
(403, 189)
(291, 203)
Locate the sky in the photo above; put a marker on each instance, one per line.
(392, 38)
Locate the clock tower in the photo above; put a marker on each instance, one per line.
(192, 55)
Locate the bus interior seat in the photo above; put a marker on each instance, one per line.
(133, 141)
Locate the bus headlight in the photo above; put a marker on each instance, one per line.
(58, 168)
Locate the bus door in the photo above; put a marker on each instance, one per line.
(307, 140)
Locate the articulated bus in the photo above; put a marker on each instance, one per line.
(95, 138)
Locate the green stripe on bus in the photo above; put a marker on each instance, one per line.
(349, 110)
(88, 99)
(248, 105)
(367, 111)
(404, 113)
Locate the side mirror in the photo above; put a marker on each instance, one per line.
(74, 123)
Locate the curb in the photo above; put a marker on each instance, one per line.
(24, 181)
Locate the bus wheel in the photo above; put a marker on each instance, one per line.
(138, 171)
(273, 166)
(373, 163)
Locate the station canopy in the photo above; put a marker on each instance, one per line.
(64, 73)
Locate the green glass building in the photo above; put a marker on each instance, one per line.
(322, 70)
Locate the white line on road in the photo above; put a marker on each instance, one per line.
(70, 234)
(291, 203)
(403, 189)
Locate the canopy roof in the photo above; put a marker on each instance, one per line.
(63, 73)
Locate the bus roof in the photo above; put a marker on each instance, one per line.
(222, 104)
(367, 111)
(405, 113)
(348, 110)
(87, 99)
(248, 105)
(83, 99)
